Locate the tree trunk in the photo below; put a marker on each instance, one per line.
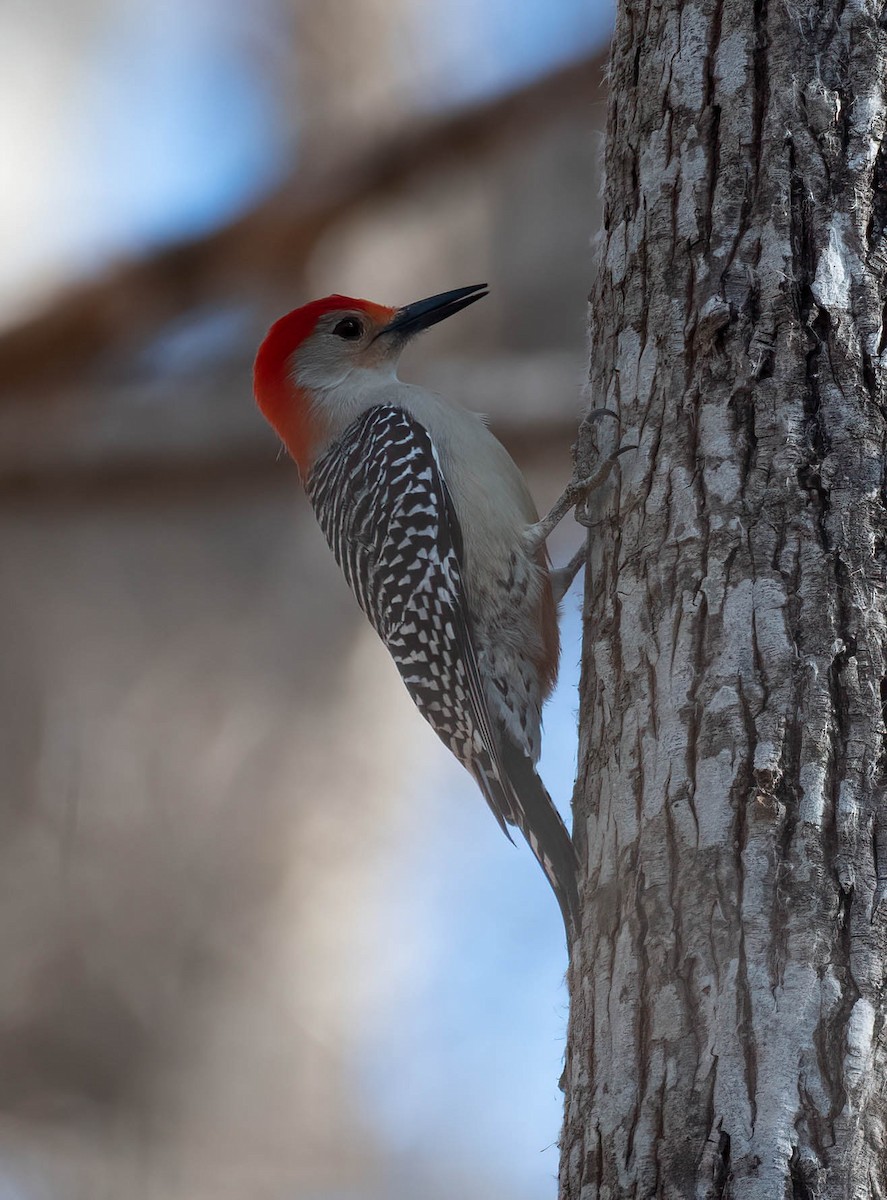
(728, 1008)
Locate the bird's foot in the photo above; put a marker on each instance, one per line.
(574, 495)
(562, 578)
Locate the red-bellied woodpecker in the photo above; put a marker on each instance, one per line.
(439, 539)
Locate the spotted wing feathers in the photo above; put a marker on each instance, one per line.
(384, 507)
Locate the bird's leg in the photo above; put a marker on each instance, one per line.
(574, 493)
(562, 578)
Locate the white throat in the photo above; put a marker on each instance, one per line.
(341, 398)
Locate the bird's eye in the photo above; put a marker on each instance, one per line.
(349, 328)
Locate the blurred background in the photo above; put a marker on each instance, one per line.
(260, 936)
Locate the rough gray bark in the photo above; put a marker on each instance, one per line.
(728, 1009)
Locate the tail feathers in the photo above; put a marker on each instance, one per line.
(534, 813)
(495, 792)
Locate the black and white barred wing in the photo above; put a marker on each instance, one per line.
(383, 505)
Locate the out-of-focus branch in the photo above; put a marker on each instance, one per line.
(162, 433)
(271, 244)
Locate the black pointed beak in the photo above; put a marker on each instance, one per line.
(424, 313)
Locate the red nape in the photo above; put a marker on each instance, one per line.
(283, 404)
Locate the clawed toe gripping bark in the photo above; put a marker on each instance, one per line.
(562, 578)
(573, 496)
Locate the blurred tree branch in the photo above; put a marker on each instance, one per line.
(268, 248)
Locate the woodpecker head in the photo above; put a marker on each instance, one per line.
(318, 362)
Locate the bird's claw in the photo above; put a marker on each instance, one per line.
(595, 413)
(584, 487)
(575, 494)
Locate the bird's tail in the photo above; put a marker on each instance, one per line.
(534, 814)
